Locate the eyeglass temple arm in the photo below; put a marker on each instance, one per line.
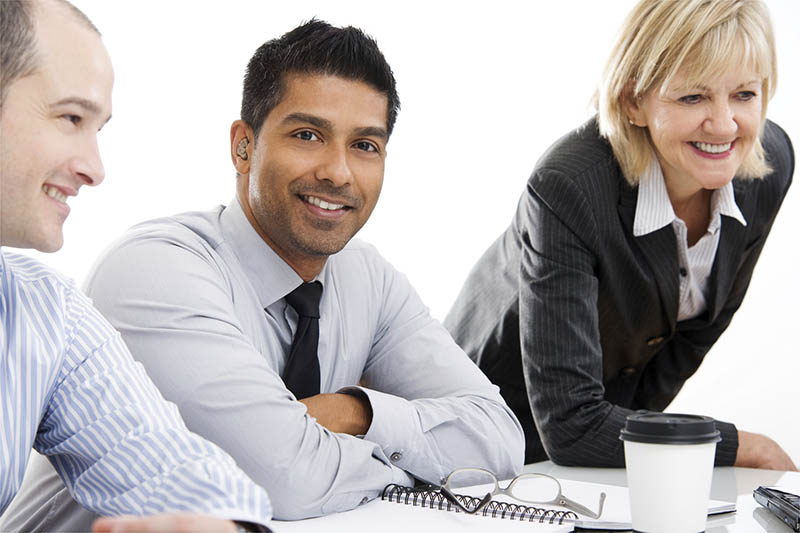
(581, 509)
(449, 496)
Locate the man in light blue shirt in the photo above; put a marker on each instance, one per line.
(203, 300)
(68, 385)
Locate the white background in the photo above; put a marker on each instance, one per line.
(485, 88)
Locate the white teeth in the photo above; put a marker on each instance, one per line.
(712, 148)
(322, 203)
(54, 193)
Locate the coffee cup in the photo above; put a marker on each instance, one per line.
(669, 461)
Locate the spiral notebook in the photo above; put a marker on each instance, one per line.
(616, 514)
(395, 514)
(494, 509)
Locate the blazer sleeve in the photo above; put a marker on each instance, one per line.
(560, 341)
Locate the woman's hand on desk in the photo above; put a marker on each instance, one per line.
(759, 451)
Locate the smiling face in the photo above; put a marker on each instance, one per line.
(49, 123)
(316, 171)
(701, 133)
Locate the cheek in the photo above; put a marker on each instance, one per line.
(750, 122)
(371, 181)
(674, 126)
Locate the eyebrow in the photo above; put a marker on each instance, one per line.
(744, 84)
(372, 131)
(325, 124)
(87, 105)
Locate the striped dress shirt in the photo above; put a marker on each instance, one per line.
(654, 211)
(70, 389)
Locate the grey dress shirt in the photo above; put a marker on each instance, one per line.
(189, 293)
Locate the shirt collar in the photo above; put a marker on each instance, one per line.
(271, 277)
(724, 201)
(654, 210)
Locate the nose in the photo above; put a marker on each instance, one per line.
(721, 119)
(87, 164)
(335, 166)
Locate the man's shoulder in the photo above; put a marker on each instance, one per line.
(42, 298)
(190, 228)
(196, 232)
(30, 272)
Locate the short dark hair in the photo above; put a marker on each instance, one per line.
(314, 47)
(18, 39)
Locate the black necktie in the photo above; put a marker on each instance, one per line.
(301, 375)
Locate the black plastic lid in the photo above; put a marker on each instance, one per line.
(669, 428)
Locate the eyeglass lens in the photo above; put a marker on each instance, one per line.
(476, 482)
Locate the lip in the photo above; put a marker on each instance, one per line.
(721, 155)
(325, 213)
(62, 207)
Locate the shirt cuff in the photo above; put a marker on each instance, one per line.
(728, 446)
(395, 425)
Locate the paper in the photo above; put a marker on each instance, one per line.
(616, 514)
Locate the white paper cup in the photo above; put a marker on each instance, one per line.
(669, 460)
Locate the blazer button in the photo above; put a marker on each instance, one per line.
(396, 456)
(627, 372)
(655, 341)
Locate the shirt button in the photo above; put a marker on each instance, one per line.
(683, 272)
(396, 456)
(655, 341)
(627, 372)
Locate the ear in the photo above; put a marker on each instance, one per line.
(632, 105)
(241, 146)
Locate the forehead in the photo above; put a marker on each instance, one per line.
(729, 75)
(717, 58)
(71, 60)
(345, 103)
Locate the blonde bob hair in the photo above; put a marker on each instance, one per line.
(702, 38)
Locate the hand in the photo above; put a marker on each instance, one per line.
(758, 451)
(163, 523)
(341, 413)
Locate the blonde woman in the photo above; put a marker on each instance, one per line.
(636, 237)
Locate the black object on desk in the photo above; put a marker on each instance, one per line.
(784, 505)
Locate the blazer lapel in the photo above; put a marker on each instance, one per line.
(660, 251)
(729, 252)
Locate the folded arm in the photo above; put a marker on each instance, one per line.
(433, 410)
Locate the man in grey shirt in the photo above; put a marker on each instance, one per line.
(201, 300)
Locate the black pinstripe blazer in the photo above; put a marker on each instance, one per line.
(576, 319)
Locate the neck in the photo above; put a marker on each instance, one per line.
(307, 267)
(694, 208)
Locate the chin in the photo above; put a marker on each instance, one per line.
(321, 247)
(49, 244)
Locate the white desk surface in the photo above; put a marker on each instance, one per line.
(729, 484)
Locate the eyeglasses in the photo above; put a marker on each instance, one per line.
(483, 485)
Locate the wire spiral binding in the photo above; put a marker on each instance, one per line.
(435, 500)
